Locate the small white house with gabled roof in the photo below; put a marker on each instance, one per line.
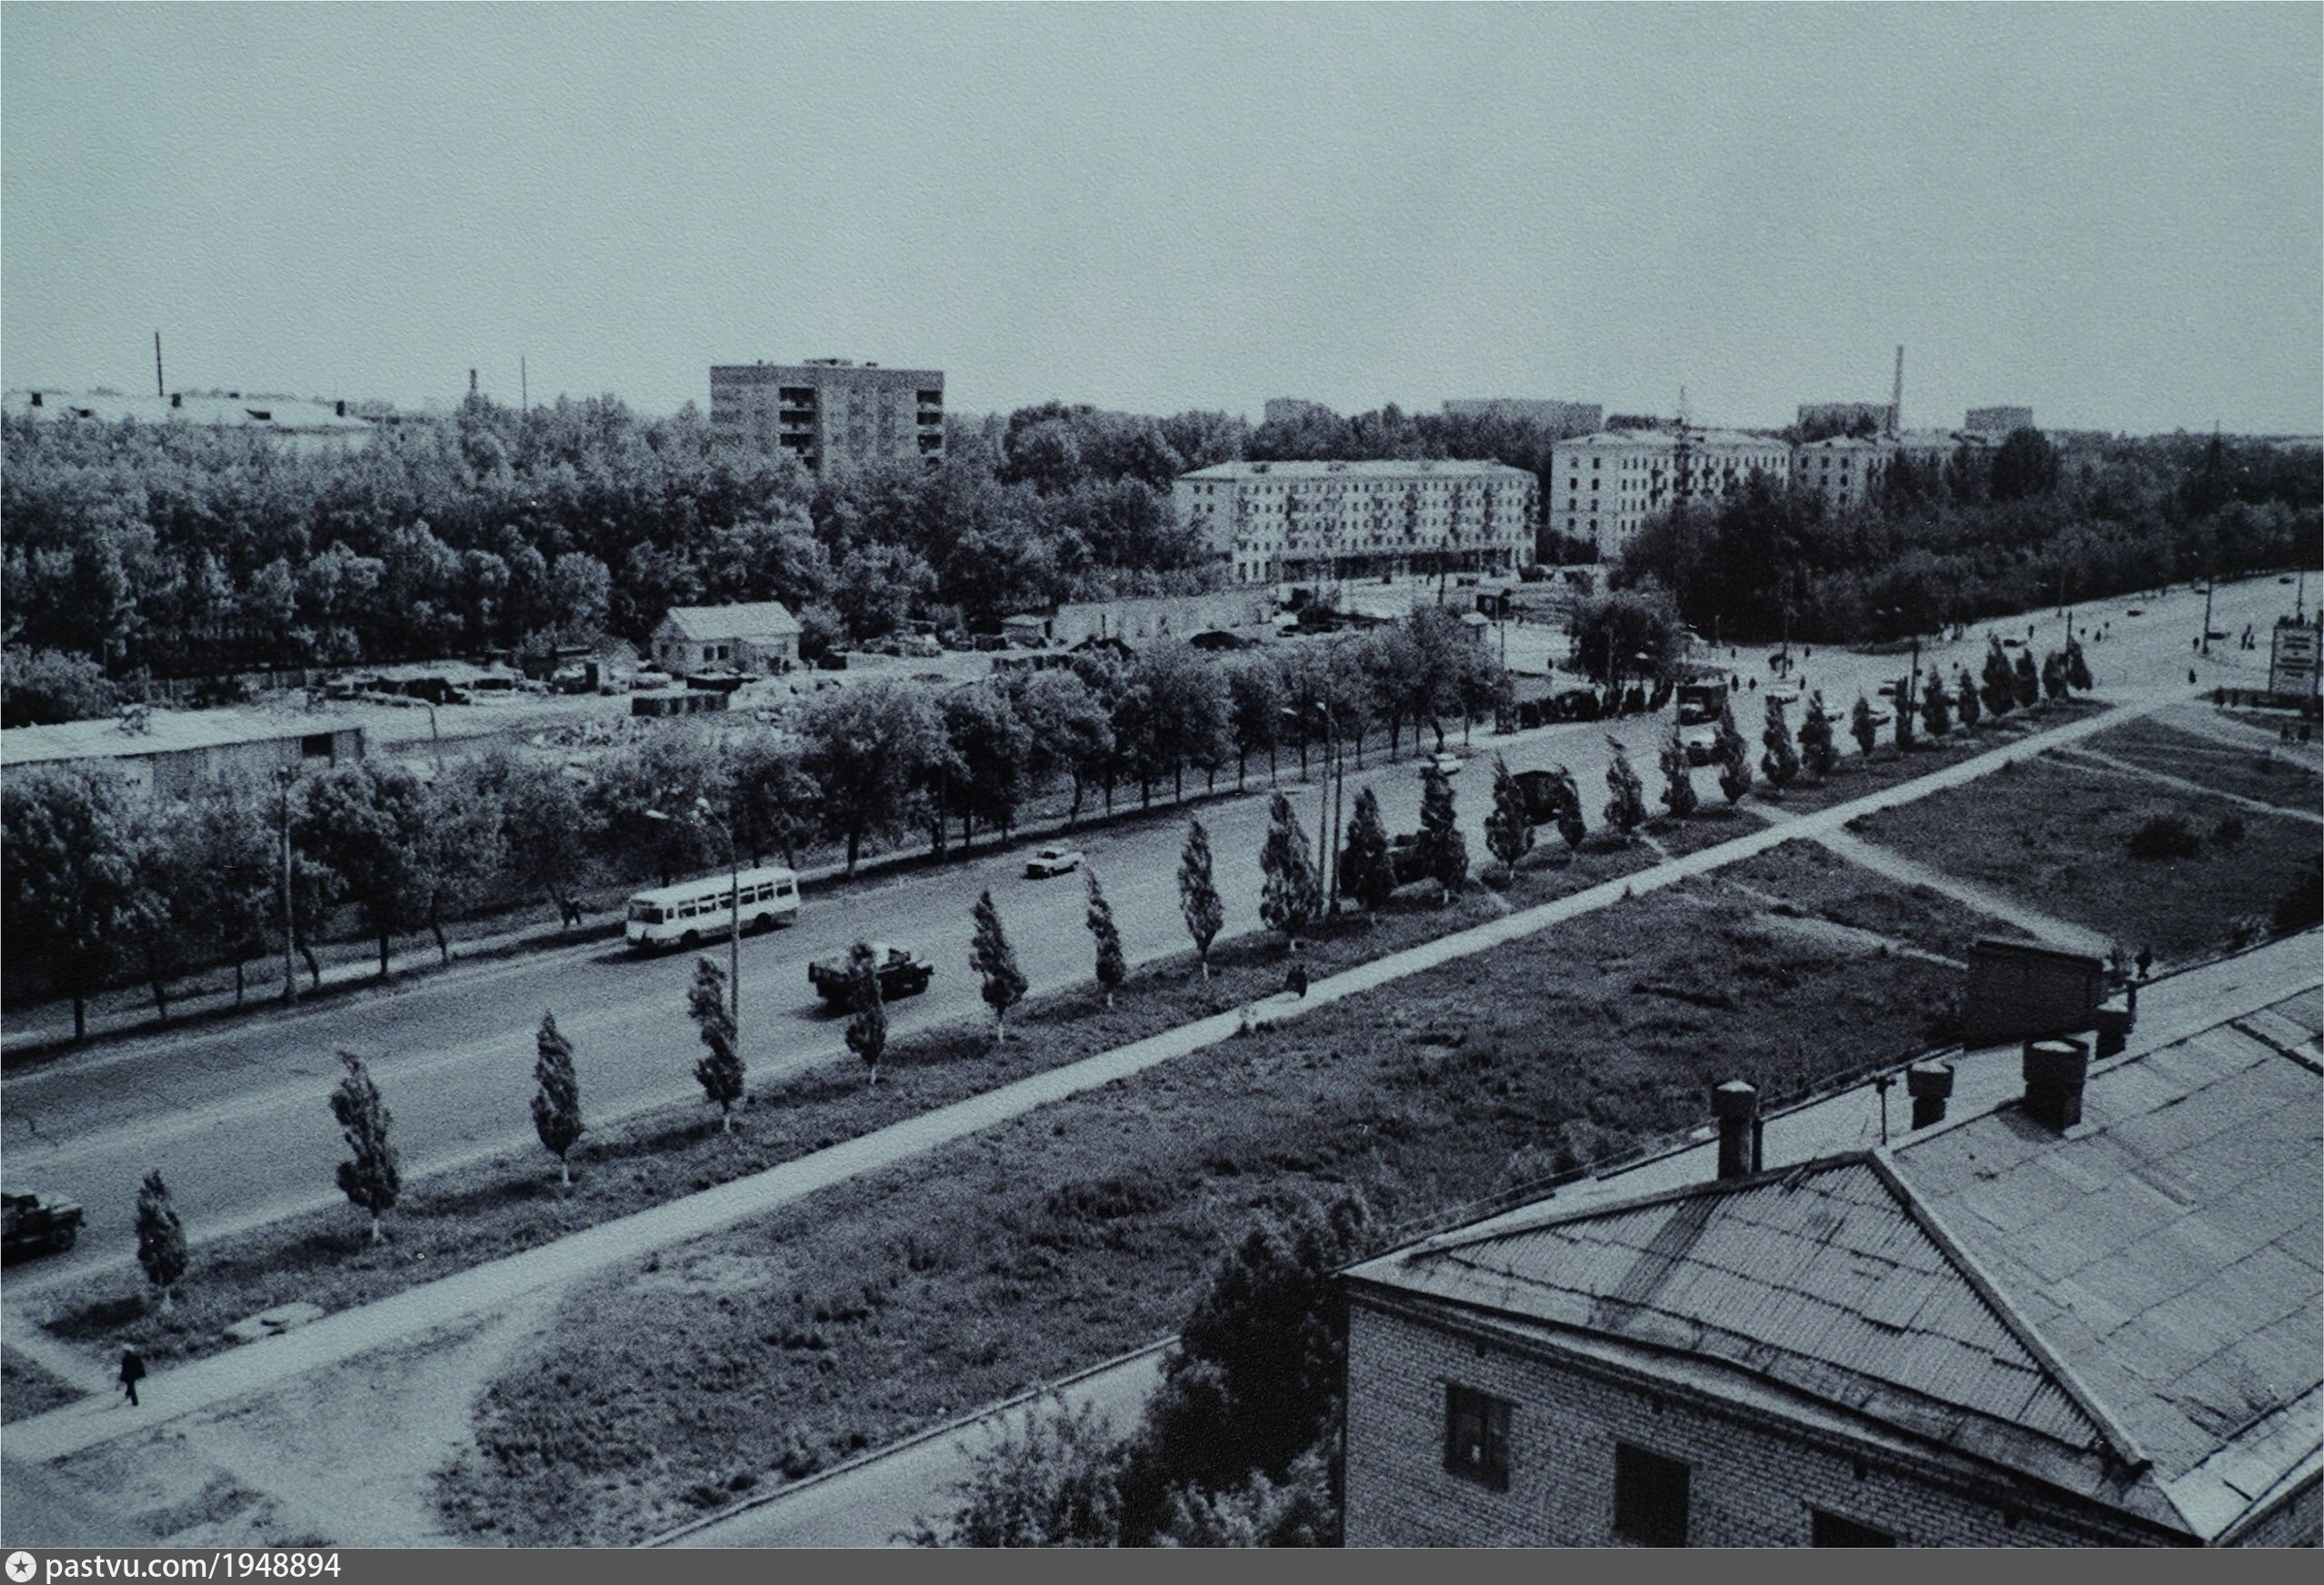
(755, 636)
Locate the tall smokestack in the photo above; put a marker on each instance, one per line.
(1896, 397)
(471, 382)
(1736, 1106)
(158, 389)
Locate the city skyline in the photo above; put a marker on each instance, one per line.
(2111, 214)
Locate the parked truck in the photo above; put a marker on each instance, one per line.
(1700, 704)
(36, 1224)
(902, 972)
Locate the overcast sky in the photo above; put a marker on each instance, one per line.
(2114, 214)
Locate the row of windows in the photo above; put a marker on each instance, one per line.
(1652, 1491)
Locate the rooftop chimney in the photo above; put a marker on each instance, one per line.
(2054, 1070)
(1736, 1106)
(1930, 1084)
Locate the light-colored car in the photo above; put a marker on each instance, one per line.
(1443, 762)
(1700, 742)
(1054, 859)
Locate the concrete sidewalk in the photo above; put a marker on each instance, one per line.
(482, 1288)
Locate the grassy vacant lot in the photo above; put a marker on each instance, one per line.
(462, 1218)
(2253, 773)
(2058, 836)
(1810, 882)
(25, 1389)
(893, 1302)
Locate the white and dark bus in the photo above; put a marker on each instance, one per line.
(701, 911)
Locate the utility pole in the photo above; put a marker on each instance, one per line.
(524, 388)
(2211, 586)
(159, 389)
(284, 776)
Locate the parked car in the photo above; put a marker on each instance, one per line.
(1442, 762)
(1052, 860)
(902, 972)
(1700, 740)
(36, 1224)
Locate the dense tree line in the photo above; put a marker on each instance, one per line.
(103, 884)
(1969, 540)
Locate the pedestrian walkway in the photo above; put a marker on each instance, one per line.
(485, 1288)
(2094, 760)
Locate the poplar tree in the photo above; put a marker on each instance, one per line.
(1112, 969)
(371, 1181)
(868, 1029)
(1780, 763)
(1678, 779)
(2078, 666)
(556, 1096)
(1568, 796)
(1507, 832)
(1815, 739)
(2000, 689)
(1625, 810)
(1936, 709)
(1733, 755)
(1965, 700)
(1444, 851)
(1368, 873)
(1197, 893)
(2028, 680)
(1904, 707)
(995, 962)
(161, 1241)
(719, 1070)
(1290, 896)
(1862, 728)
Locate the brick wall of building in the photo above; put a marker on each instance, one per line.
(2296, 1521)
(1755, 1481)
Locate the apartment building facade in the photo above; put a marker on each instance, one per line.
(832, 414)
(1602, 488)
(1291, 522)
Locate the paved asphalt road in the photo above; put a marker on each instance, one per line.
(235, 1114)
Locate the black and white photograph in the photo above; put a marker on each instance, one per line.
(1150, 775)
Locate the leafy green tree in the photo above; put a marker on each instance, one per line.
(1816, 747)
(1936, 708)
(1568, 796)
(1507, 832)
(994, 750)
(2000, 690)
(1862, 728)
(72, 889)
(1625, 810)
(1368, 873)
(1731, 755)
(1054, 1483)
(1678, 777)
(1965, 700)
(995, 962)
(1069, 728)
(2026, 681)
(1780, 763)
(870, 750)
(42, 686)
(720, 1069)
(1290, 894)
(1443, 850)
(371, 1180)
(367, 822)
(1255, 698)
(236, 868)
(1298, 1510)
(1628, 635)
(161, 1241)
(777, 805)
(557, 1097)
(1197, 893)
(1174, 713)
(868, 1029)
(1112, 969)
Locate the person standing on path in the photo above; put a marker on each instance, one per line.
(133, 1370)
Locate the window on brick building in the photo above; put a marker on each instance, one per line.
(1649, 1497)
(1476, 1437)
(1832, 1530)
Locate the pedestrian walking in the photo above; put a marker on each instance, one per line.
(133, 1370)
(1295, 981)
(2146, 961)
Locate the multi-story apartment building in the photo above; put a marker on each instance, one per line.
(1604, 486)
(1290, 522)
(2087, 1315)
(1842, 469)
(831, 414)
(1558, 417)
(1998, 421)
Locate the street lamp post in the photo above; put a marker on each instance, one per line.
(702, 811)
(285, 777)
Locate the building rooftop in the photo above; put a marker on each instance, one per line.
(1663, 439)
(280, 414)
(2131, 1309)
(750, 619)
(1390, 468)
(165, 731)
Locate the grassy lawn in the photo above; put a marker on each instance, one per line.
(894, 1301)
(449, 1222)
(1812, 882)
(1855, 776)
(2253, 773)
(27, 1390)
(2058, 836)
